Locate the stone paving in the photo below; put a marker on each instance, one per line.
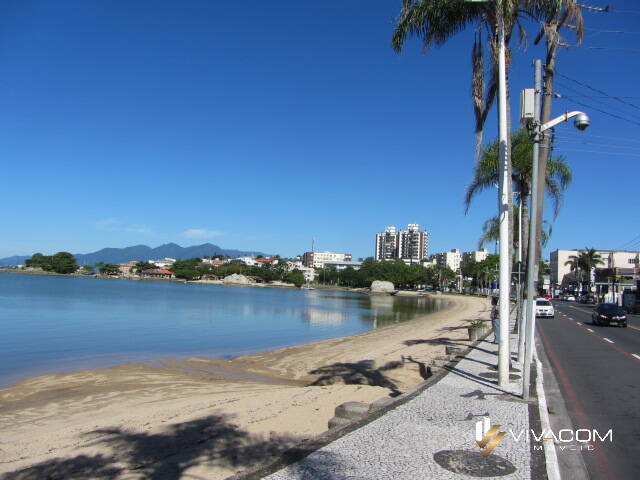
(438, 424)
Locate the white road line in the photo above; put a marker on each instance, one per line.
(590, 330)
(581, 323)
(607, 340)
(637, 356)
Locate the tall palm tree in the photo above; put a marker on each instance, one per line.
(486, 175)
(588, 260)
(574, 266)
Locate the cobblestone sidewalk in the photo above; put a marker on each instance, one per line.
(433, 436)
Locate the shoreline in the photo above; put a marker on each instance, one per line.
(273, 398)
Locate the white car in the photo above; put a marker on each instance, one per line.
(544, 308)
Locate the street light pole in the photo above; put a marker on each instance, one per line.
(530, 317)
(536, 211)
(505, 282)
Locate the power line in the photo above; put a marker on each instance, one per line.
(624, 147)
(597, 90)
(606, 105)
(599, 30)
(632, 241)
(601, 153)
(594, 47)
(605, 112)
(606, 137)
(591, 8)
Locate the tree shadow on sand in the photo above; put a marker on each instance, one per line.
(211, 440)
(359, 373)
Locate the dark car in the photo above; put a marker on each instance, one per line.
(634, 307)
(609, 314)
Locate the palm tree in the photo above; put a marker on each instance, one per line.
(588, 260)
(486, 175)
(491, 232)
(574, 266)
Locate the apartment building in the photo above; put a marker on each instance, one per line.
(410, 245)
(469, 258)
(318, 259)
(451, 259)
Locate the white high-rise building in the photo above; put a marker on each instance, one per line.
(410, 245)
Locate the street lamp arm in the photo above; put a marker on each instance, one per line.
(562, 118)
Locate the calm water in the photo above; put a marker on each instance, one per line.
(67, 323)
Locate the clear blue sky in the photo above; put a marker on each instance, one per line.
(259, 125)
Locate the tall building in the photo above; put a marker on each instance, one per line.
(387, 244)
(410, 245)
(451, 259)
(318, 259)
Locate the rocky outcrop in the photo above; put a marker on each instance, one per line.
(382, 287)
(236, 279)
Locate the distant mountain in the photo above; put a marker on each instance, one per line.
(143, 252)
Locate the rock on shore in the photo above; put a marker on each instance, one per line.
(236, 279)
(381, 286)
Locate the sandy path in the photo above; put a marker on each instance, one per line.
(208, 418)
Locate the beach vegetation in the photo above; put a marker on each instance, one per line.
(296, 277)
(61, 262)
(109, 269)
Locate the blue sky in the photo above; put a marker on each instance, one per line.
(259, 125)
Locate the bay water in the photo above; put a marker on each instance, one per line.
(57, 323)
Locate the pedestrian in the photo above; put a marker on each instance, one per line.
(495, 319)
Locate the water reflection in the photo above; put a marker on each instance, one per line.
(324, 317)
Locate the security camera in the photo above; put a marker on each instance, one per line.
(581, 121)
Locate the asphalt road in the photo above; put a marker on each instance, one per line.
(598, 370)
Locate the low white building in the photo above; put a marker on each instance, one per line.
(318, 259)
(343, 265)
(163, 262)
(619, 259)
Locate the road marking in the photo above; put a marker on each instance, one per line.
(637, 356)
(607, 340)
(631, 326)
(590, 330)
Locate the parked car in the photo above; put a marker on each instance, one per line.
(634, 307)
(570, 298)
(609, 314)
(544, 308)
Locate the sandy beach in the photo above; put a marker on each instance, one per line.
(209, 418)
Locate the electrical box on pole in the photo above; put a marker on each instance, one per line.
(527, 106)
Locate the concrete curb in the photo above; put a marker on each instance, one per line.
(307, 447)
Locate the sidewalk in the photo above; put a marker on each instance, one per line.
(433, 435)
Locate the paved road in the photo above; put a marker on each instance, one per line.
(598, 369)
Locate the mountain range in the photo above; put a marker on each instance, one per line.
(142, 252)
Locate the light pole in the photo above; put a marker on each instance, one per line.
(530, 112)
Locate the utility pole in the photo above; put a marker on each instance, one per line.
(530, 317)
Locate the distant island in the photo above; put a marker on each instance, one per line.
(119, 255)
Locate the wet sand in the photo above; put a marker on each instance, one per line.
(209, 418)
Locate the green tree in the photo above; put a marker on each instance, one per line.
(486, 176)
(588, 260)
(109, 269)
(39, 260)
(191, 269)
(140, 266)
(296, 277)
(63, 262)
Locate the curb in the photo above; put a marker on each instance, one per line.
(307, 447)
